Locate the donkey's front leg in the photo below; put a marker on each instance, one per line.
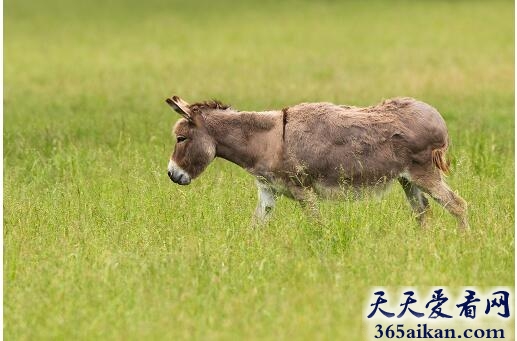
(308, 199)
(266, 202)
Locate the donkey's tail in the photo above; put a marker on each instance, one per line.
(439, 159)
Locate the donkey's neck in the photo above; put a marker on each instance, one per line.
(252, 140)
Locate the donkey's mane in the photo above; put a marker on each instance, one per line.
(211, 104)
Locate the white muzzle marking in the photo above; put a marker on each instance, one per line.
(177, 175)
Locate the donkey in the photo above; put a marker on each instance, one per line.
(320, 150)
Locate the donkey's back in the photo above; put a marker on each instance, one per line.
(363, 146)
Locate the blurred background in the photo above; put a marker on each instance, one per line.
(99, 244)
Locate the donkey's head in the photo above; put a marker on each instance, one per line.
(194, 148)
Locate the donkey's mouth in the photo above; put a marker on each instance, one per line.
(180, 179)
(177, 175)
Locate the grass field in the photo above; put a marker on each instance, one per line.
(99, 243)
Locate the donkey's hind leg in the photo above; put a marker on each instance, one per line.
(416, 199)
(439, 191)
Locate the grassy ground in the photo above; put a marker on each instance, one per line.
(98, 243)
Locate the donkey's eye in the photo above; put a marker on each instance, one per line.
(180, 139)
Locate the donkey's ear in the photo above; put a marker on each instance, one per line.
(180, 106)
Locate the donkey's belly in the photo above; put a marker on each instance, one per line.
(348, 192)
(333, 190)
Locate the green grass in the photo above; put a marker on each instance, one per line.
(98, 243)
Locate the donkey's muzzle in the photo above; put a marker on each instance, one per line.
(177, 174)
(179, 178)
